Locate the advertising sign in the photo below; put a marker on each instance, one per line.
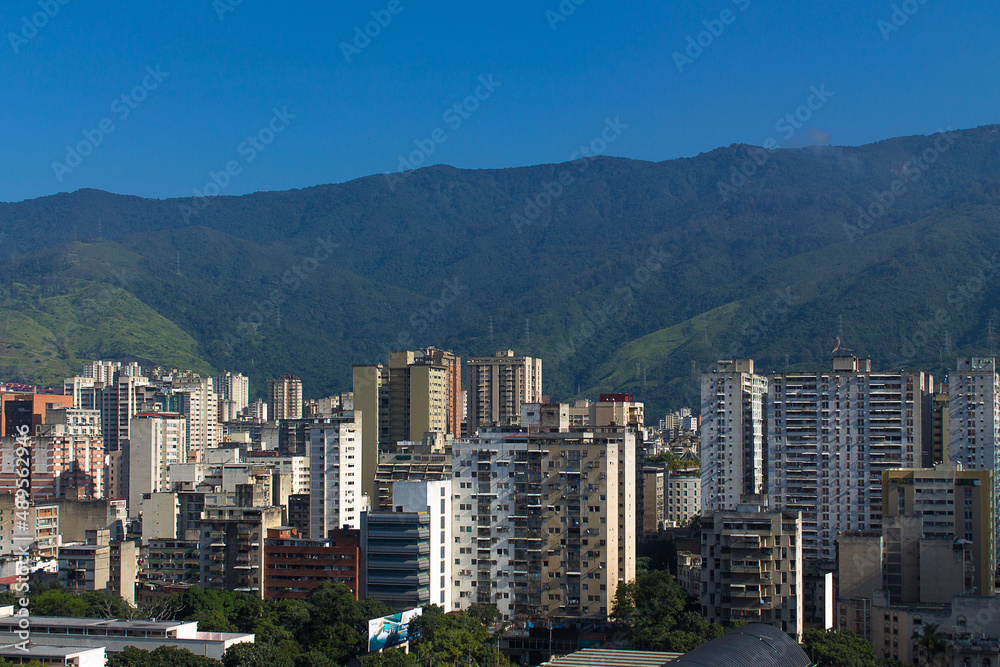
(389, 631)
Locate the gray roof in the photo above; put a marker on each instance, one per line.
(754, 645)
(600, 657)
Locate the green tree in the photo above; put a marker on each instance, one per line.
(455, 638)
(656, 614)
(836, 649)
(933, 647)
(58, 601)
(255, 655)
(162, 656)
(389, 658)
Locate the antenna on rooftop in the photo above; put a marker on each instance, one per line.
(840, 327)
(492, 339)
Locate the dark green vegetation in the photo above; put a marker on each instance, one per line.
(837, 649)
(634, 278)
(327, 630)
(656, 614)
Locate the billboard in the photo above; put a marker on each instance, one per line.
(389, 631)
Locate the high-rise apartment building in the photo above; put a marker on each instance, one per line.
(954, 504)
(732, 434)
(831, 435)
(159, 440)
(752, 567)
(498, 385)
(940, 427)
(545, 522)
(453, 386)
(974, 422)
(434, 498)
(335, 495)
(411, 396)
(67, 451)
(284, 396)
(199, 405)
(233, 387)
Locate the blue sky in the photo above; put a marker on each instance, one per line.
(226, 72)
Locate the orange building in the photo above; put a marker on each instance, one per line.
(27, 410)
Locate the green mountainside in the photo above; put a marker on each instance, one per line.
(622, 275)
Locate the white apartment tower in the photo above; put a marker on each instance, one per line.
(732, 434)
(158, 440)
(200, 407)
(831, 435)
(498, 386)
(335, 497)
(233, 387)
(435, 498)
(974, 421)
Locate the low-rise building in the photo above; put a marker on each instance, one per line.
(115, 635)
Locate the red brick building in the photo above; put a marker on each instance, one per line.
(293, 566)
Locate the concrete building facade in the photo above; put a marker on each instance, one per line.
(831, 435)
(335, 496)
(752, 567)
(732, 434)
(498, 385)
(546, 522)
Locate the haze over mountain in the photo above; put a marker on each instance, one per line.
(622, 275)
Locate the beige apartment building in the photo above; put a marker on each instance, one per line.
(284, 397)
(498, 386)
(545, 523)
(752, 567)
(954, 504)
(404, 400)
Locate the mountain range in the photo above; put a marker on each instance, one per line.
(623, 275)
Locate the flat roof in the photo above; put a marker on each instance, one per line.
(43, 651)
(70, 621)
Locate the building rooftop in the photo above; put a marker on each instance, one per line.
(754, 645)
(600, 657)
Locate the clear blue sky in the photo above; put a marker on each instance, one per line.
(224, 77)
